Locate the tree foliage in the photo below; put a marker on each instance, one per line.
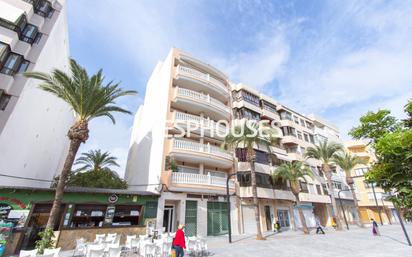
(104, 178)
(374, 125)
(393, 148)
(95, 160)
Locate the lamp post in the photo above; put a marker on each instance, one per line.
(341, 206)
(376, 202)
(228, 206)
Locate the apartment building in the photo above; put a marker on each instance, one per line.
(170, 152)
(297, 132)
(189, 170)
(371, 199)
(33, 124)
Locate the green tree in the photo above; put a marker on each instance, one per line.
(294, 172)
(324, 152)
(393, 169)
(103, 178)
(374, 125)
(408, 110)
(347, 162)
(250, 135)
(95, 160)
(89, 98)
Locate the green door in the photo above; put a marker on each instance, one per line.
(191, 218)
(217, 222)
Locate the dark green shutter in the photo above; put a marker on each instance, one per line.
(150, 210)
(191, 218)
(217, 220)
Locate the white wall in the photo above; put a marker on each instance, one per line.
(145, 158)
(33, 142)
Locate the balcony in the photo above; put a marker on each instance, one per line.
(267, 193)
(188, 179)
(314, 198)
(199, 124)
(191, 151)
(198, 102)
(198, 80)
(289, 139)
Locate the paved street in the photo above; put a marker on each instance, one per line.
(356, 242)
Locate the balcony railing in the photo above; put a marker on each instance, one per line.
(203, 76)
(201, 148)
(204, 122)
(199, 179)
(202, 98)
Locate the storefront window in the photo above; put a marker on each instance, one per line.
(88, 216)
(126, 215)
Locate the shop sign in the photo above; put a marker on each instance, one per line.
(113, 198)
(5, 209)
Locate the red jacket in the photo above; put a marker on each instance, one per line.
(179, 239)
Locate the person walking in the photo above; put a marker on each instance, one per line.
(375, 229)
(319, 228)
(179, 241)
(277, 226)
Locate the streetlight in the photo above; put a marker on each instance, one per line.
(401, 222)
(228, 206)
(376, 202)
(341, 206)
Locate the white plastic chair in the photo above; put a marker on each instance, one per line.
(96, 253)
(111, 237)
(94, 248)
(54, 251)
(114, 251)
(100, 238)
(143, 237)
(129, 240)
(192, 245)
(31, 253)
(81, 247)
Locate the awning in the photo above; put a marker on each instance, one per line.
(10, 13)
(283, 157)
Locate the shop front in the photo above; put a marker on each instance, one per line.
(84, 213)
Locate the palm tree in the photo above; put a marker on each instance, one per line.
(347, 162)
(249, 135)
(324, 152)
(95, 160)
(89, 98)
(294, 172)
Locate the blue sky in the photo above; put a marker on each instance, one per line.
(337, 59)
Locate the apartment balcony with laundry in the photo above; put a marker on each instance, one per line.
(185, 150)
(197, 80)
(197, 102)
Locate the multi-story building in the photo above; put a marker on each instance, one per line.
(185, 95)
(169, 147)
(33, 123)
(371, 199)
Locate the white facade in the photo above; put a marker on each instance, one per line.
(34, 124)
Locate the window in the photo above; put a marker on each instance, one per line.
(299, 135)
(286, 115)
(325, 189)
(29, 33)
(306, 136)
(281, 184)
(246, 96)
(4, 52)
(311, 188)
(244, 179)
(246, 114)
(302, 122)
(293, 149)
(4, 100)
(269, 107)
(88, 216)
(337, 185)
(318, 190)
(296, 119)
(126, 215)
(241, 154)
(360, 171)
(303, 187)
(311, 139)
(289, 131)
(302, 149)
(263, 180)
(12, 64)
(309, 125)
(43, 8)
(261, 157)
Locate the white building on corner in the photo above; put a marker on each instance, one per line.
(33, 123)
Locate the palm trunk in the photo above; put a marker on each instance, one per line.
(335, 209)
(259, 235)
(77, 134)
(356, 205)
(301, 216)
(54, 213)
